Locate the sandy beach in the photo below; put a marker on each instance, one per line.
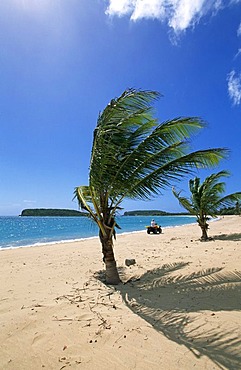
(179, 306)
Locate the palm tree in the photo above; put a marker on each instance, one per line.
(237, 208)
(206, 199)
(133, 156)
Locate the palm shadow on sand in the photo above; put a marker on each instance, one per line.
(173, 305)
(233, 237)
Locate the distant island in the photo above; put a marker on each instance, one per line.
(55, 212)
(236, 210)
(154, 213)
(52, 212)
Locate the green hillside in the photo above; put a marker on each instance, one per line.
(49, 212)
(152, 213)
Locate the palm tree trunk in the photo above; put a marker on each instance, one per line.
(204, 228)
(204, 236)
(202, 222)
(112, 275)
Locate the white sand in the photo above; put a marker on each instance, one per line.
(180, 307)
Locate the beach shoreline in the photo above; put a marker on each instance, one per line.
(67, 241)
(178, 306)
(38, 231)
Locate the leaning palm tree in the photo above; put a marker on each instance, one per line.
(206, 199)
(133, 156)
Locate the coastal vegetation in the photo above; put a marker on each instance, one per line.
(51, 212)
(206, 199)
(153, 213)
(134, 156)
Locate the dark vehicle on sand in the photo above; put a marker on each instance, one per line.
(154, 229)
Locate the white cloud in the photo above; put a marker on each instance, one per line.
(238, 53)
(239, 30)
(234, 87)
(120, 7)
(148, 9)
(179, 14)
(186, 13)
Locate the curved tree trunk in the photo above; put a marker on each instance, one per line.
(202, 222)
(204, 228)
(204, 236)
(112, 275)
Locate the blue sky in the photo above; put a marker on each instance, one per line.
(62, 61)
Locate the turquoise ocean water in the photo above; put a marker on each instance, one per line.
(24, 231)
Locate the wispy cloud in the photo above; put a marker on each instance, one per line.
(234, 78)
(238, 53)
(234, 87)
(239, 30)
(178, 14)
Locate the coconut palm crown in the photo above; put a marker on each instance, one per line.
(133, 156)
(206, 199)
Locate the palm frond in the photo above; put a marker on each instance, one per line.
(206, 197)
(83, 196)
(184, 202)
(229, 200)
(122, 125)
(166, 142)
(145, 185)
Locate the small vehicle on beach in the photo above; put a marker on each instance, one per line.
(154, 229)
